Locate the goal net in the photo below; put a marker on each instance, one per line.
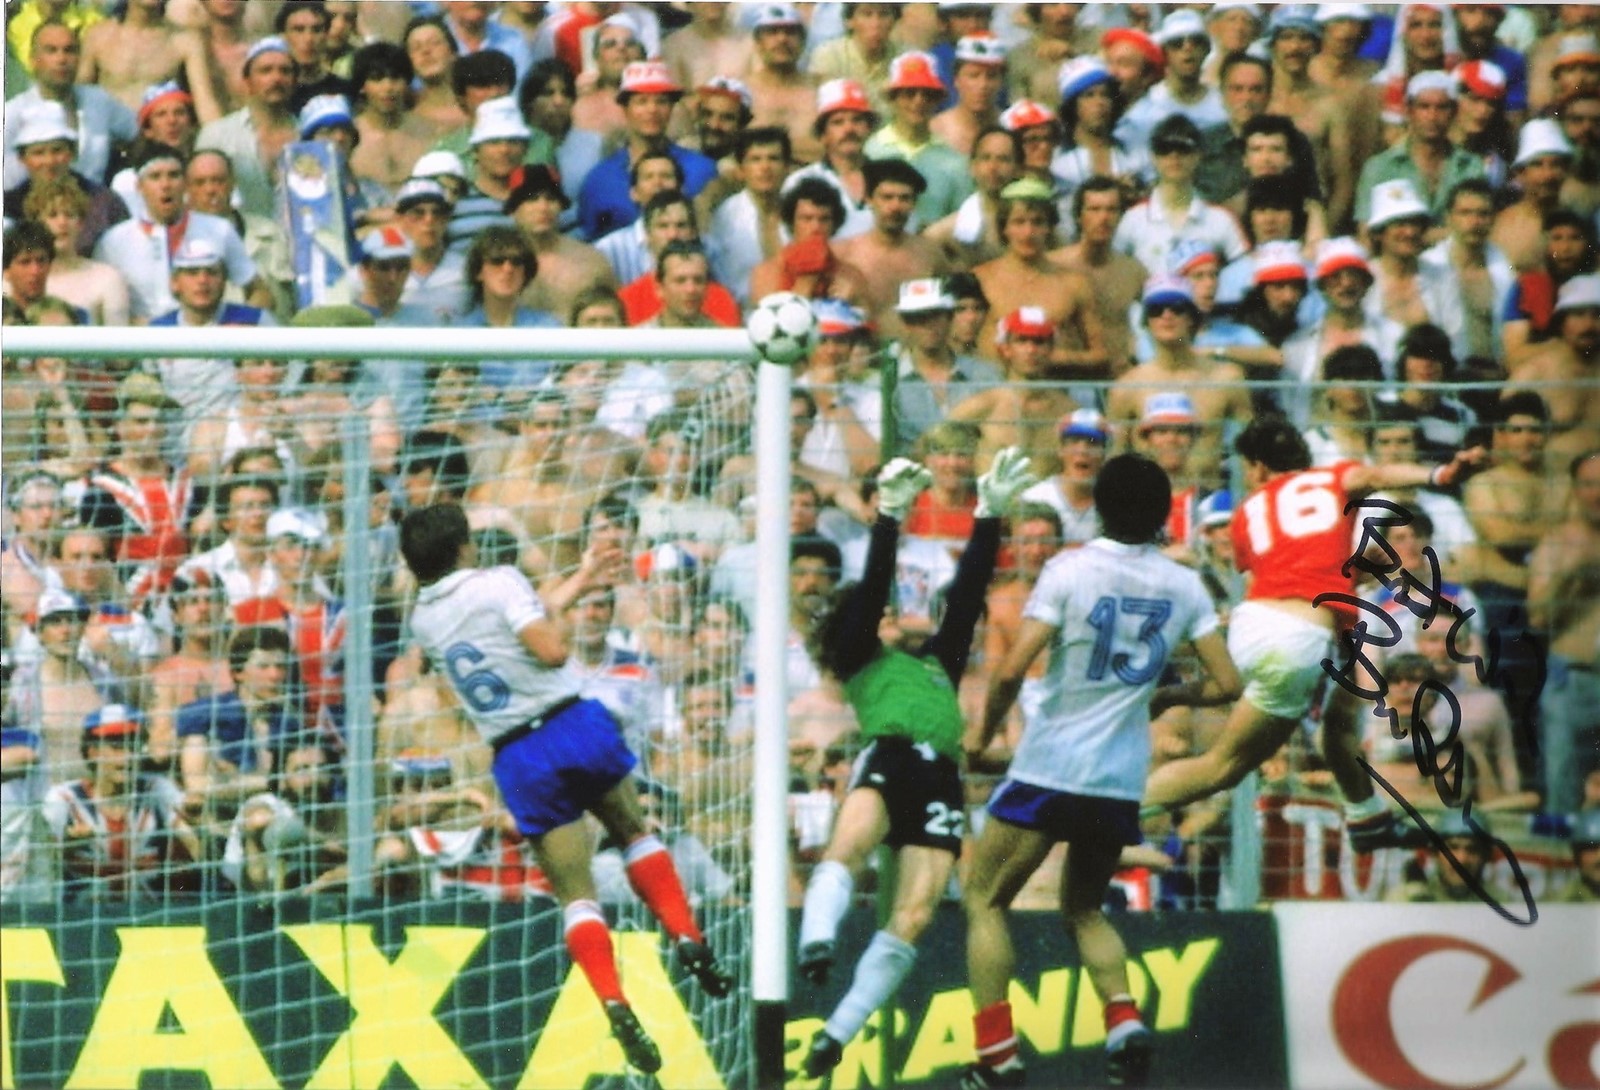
(220, 730)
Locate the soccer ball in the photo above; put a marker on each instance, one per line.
(781, 327)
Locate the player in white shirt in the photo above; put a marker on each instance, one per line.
(556, 756)
(1111, 613)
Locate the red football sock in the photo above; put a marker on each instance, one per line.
(995, 1036)
(1120, 1009)
(654, 878)
(589, 943)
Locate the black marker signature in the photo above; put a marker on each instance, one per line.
(1426, 601)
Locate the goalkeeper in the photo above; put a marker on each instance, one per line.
(905, 789)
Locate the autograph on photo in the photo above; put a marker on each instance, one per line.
(1363, 679)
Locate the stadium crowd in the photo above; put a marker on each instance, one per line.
(1078, 229)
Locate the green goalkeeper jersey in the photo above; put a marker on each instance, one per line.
(900, 695)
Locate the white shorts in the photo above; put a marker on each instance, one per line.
(1280, 657)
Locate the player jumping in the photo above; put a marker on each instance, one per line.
(906, 787)
(556, 756)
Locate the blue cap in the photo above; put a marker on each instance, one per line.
(1301, 17)
(324, 110)
(113, 720)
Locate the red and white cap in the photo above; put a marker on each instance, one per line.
(1577, 49)
(981, 48)
(1481, 79)
(1431, 80)
(197, 253)
(113, 721)
(1030, 322)
(160, 94)
(648, 78)
(914, 71)
(836, 318)
(1188, 254)
(1279, 263)
(386, 244)
(1341, 253)
(924, 294)
(1025, 113)
(1580, 291)
(842, 94)
(1167, 408)
(729, 87)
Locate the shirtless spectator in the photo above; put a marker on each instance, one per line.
(1117, 278)
(1343, 70)
(746, 228)
(1566, 371)
(101, 121)
(1320, 115)
(197, 669)
(226, 42)
(809, 266)
(1580, 124)
(970, 235)
(127, 54)
(1564, 606)
(596, 109)
(567, 268)
(392, 137)
(52, 694)
(844, 120)
(1035, 537)
(892, 253)
(433, 54)
(1023, 410)
(304, 25)
(1544, 156)
(1216, 390)
(532, 482)
(1515, 501)
(978, 78)
(1026, 276)
(782, 93)
(254, 136)
(712, 44)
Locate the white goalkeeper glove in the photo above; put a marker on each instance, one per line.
(899, 484)
(999, 488)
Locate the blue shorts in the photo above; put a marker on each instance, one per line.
(1061, 815)
(550, 776)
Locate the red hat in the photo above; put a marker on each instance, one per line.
(1030, 322)
(842, 94)
(914, 71)
(1140, 41)
(159, 94)
(647, 78)
(1025, 114)
(1481, 79)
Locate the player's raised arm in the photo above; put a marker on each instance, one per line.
(1361, 479)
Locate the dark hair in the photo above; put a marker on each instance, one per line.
(485, 68)
(677, 167)
(28, 237)
(816, 547)
(763, 134)
(998, 130)
(1095, 183)
(379, 60)
(1238, 57)
(1426, 341)
(1266, 193)
(963, 285)
(1521, 403)
(436, 22)
(680, 248)
(494, 238)
(849, 10)
(539, 77)
(1392, 414)
(1479, 186)
(1133, 498)
(681, 422)
(1421, 524)
(295, 7)
(1067, 115)
(1409, 664)
(497, 548)
(1352, 363)
(1037, 512)
(727, 604)
(230, 485)
(1273, 442)
(1007, 205)
(875, 172)
(255, 637)
(667, 198)
(431, 539)
(616, 510)
(817, 191)
(441, 452)
(588, 297)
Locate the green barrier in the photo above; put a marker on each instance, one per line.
(445, 995)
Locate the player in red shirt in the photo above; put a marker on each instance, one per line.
(1293, 535)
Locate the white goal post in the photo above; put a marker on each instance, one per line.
(769, 844)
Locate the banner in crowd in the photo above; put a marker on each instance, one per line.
(1442, 997)
(450, 995)
(312, 202)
